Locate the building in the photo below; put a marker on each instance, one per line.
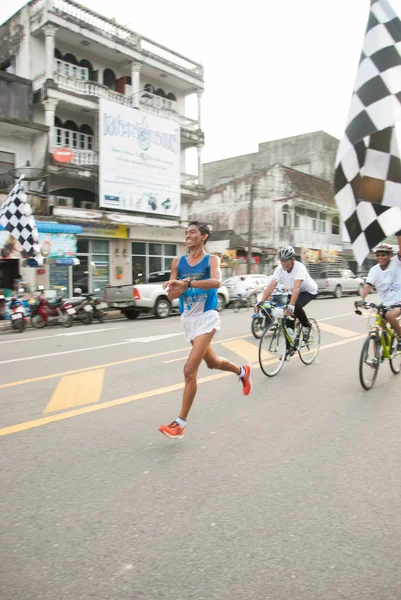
(80, 65)
(289, 207)
(311, 153)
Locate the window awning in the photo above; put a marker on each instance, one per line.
(48, 227)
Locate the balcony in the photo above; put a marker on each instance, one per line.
(72, 12)
(81, 144)
(71, 71)
(306, 237)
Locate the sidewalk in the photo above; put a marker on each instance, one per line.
(110, 315)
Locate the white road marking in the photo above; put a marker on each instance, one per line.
(155, 338)
(48, 337)
(23, 358)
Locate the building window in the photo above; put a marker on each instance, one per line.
(109, 79)
(297, 217)
(335, 226)
(286, 216)
(7, 164)
(150, 257)
(322, 222)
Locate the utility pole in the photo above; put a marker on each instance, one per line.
(250, 222)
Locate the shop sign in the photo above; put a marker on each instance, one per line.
(139, 161)
(9, 246)
(97, 229)
(58, 245)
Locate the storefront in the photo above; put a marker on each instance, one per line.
(152, 250)
(10, 257)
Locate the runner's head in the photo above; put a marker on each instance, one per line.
(383, 254)
(197, 234)
(286, 256)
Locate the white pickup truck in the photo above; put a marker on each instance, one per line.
(151, 298)
(337, 282)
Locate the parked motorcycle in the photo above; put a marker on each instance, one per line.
(17, 315)
(98, 306)
(83, 307)
(44, 312)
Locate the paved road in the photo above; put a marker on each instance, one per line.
(289, 494)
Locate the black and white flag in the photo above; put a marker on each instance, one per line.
(368, 167)
(16, 216)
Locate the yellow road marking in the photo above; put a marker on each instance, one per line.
(244, 349)
(166, 362)
(110, 364)
(345, 333)
(75, 390)
(157, 392)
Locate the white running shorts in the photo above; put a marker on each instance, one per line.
(199, 324)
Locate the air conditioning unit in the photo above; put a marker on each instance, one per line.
(90, 205)
(64, 201)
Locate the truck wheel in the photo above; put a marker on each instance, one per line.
(131, 314)
(221, 302)
(162, 308)
(338, 292)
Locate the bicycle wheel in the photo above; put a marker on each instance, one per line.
(257, 327)
(369, 362)
(395, 360)
(272, 350)
(309, 349)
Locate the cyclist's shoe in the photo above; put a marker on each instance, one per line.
(247, 380)
(399, 345)
(173, 430)
(371, 362)
(306, 334)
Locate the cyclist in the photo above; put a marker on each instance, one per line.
(293, 275)
(386, 278)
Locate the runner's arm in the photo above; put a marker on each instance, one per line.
(175, 291)
(215, 276)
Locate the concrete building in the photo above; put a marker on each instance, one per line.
(74, 58)
(311, 153)
(289, 207)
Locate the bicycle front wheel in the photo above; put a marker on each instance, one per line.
(272, 350)
(369, 362)
(309, 347)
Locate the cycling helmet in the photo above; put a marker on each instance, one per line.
(384, 248)
(285, 253)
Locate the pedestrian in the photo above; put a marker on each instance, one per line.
(241, 290)
(195, 278)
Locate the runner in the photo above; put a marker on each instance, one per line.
(195, 278)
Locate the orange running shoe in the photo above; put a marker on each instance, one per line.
(173, 430)
(247, 380)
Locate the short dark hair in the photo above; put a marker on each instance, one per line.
(203, 228)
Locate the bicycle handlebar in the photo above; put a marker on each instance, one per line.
(379, 307)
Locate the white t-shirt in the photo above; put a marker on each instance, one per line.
(241, 288)
(387, 282)
(298, 272)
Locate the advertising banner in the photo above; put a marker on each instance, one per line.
(139, 161)
(52, 245)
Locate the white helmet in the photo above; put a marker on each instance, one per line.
(384, 248)
(285, 253)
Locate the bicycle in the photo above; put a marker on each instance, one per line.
(378, 346)
(278, 345)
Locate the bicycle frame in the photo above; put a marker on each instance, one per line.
(382, 330)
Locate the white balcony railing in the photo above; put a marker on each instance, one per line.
(90, 88)
(157, 104)
(81, 144)
(69, 70)
(188, 180)
(76, 13)
(305, 237)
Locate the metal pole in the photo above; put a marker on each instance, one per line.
(250, 228)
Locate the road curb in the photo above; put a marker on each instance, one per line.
(111, 315)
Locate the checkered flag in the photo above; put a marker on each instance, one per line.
(368, 167)
(16, 216)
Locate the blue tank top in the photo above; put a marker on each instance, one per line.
(195, 301)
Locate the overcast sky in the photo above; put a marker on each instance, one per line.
(273, 68)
